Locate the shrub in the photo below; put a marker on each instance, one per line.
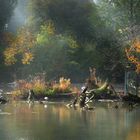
(64, 86)
(40, 88)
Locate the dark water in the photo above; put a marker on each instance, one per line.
(21, 121)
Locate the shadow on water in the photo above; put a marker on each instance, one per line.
(55, 121)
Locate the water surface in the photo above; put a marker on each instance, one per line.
(54, 121)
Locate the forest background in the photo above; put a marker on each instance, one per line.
(66, 37)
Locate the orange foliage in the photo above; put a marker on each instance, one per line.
(39, 86)
(24, 85)
(132, 54)
(63, 85)
(137, 46)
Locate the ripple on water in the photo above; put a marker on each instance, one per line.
(5, 113)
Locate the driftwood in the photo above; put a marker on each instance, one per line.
(3, 100)
(106, 91)
(80, 99)
(31, 95)
(131, 98)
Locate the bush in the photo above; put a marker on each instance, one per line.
(40, 88)
(64, 86)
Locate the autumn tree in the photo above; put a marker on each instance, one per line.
(6, 11)
(122, 17)
(20, 44)
(133, 54)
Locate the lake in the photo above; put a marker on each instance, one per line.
(54, 121)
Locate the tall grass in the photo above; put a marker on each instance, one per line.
(42, 87)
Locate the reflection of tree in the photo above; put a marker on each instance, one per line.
(134, 133)
(62, 113)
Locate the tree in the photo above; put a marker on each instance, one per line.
(133, 54)
(20, 44)
(123, 17)
(131, 10)
(43, 50)
(69, 16)
(6, 9)
(78, 33)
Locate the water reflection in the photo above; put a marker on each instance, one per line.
(56, 121)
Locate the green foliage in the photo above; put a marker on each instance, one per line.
(69, 16)
(123, 17)
(42, 37)
(50, 92)
(46, 33)
(51, 54)
(73, 35)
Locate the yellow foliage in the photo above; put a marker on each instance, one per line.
(9, 54)
(22, 43)
(27, 58)
(72, 42)
(50, 28)
(38, 86)
(19, 44)
(16, 93)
